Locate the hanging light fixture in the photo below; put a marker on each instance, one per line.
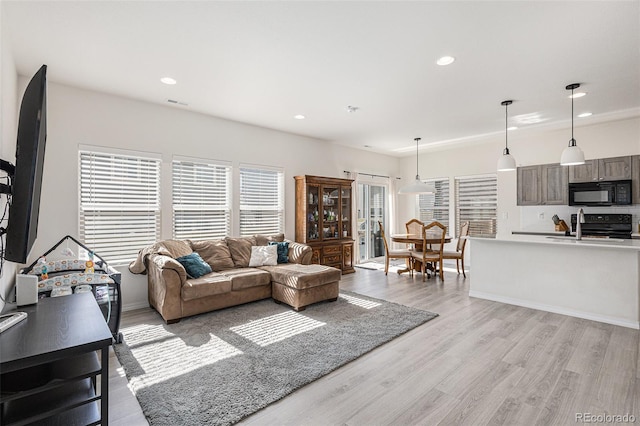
(417, 187)
(572, 155)
(506, 162)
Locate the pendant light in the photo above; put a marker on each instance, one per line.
(572, 155)
(417, 187)
(506, 162)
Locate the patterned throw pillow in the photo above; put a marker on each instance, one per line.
(283, 251)
(194, 265)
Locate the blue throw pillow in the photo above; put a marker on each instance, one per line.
(194, 265)
(283, 250)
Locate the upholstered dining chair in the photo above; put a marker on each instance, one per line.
(394, 254)
(414, 226)
(458, 255)
(431, 232)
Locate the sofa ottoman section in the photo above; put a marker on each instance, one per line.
(301, 285)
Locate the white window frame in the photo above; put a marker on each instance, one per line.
(118, 201)
(478, 204)
(435, 207)
(201, 200)
(251, 204)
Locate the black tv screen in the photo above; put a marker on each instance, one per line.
(22, 225)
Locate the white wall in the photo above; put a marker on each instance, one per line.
(8, 128)
(77, 116)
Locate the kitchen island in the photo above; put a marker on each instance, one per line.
(596, 279)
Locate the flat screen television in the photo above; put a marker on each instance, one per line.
(26, 182)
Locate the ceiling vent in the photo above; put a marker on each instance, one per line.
(173, 101)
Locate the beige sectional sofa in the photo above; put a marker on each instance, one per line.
(176, 295)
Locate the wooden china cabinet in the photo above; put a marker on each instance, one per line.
(323, 220)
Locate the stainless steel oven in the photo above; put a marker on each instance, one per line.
(606, 193)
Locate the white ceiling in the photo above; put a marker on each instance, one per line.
(263, 62)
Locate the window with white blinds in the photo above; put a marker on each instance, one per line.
(477, 203)
(261, 200)
(119, 204)
(434, 206)
(201, 200)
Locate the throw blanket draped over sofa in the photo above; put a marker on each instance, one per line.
(175, 294)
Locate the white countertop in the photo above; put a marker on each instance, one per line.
(609, 243)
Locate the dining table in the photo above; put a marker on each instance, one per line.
(417, 240)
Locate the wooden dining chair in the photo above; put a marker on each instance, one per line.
(414, 226)
(458, 255)
(433, 231)
(394, 254)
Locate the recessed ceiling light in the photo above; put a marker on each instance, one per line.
(577, 95)
(168, 80)
(512, 128)
(445, 60)
(299, 117)
(585, 114)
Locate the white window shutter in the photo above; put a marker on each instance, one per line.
(261, 201)
(477, 203)
(201, 200)
(119, 204)
(435, 207)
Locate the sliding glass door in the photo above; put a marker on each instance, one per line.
(372, 207)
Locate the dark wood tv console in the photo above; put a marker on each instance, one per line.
(49, 364)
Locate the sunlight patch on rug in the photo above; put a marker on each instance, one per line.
(145, 334)
(276, 328)
(163, 360)
(367, 304)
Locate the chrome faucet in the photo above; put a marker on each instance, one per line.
(579, 222)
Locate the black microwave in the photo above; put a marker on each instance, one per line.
(604, 193)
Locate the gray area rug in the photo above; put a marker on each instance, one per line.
(219, 367)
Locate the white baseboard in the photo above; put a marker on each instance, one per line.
(556, 309)
(134, 306)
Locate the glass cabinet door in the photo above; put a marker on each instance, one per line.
(330, 212)
(313, 213)
(345, 212)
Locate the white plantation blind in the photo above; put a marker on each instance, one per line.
(201, 200)
(261, 201)
(119, 204)
(435, 206)
(477, 202)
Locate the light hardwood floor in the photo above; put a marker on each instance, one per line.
(478, 363)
